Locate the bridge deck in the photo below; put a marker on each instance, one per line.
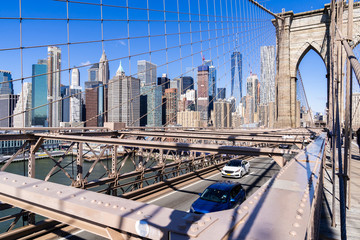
(352, 214)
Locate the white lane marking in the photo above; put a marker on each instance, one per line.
(354, 144)
(80, 231)
(166, 195)
(72, 234)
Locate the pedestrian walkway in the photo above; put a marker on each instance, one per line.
(352, 214)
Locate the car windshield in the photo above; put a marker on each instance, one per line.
(214, 195)
(234, 163)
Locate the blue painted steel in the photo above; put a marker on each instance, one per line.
(219, 196)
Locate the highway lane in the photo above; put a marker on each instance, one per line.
(261, 170)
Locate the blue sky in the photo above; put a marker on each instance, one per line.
(214, 44)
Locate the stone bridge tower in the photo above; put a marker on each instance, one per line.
(297, 34)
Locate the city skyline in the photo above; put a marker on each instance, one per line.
(171, 74)
(81, 54)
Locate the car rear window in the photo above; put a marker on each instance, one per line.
(214, 195)
(234, 163)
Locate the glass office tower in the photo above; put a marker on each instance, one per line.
(39, 93)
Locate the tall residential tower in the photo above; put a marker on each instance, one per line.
(54, 81)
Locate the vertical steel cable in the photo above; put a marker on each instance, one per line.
(332, 112)
(222, 34)
(102, 25)
(129, 51)
(208, 28)
(149, 32)
(191, 41)
(200, 23)
(234, 50)
(179, 31)
(216, 35)
(227, 30)
(68, 50)
(166, 41)
(21, 65)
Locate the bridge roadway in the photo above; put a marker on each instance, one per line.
(181, 197)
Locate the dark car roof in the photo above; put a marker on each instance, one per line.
(236, 160)
(224, 185)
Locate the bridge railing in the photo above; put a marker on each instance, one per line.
(287, 206)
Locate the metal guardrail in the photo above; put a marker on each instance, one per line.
(285, 208)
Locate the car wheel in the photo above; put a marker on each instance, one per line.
(241, 174)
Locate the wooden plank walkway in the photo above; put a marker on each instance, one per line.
(353, 214)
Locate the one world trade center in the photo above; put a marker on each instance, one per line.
(236, 59)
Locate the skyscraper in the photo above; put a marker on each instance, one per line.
(7, 103)
(6, 87)
(124, 105)
(236, 59)
(171, 105)
(22, 105)
(39, 93)
(212, 78)
(203, 93)
(93, 101)
(104, 71)
(146, 72)
(65, 103)
(252, 97)
(54, 81)
(221, 93)
(154, 105)
(212, 84)
(147, 75)
(75, 77)
(93, 74)
(253, 88)
(222, 114)
(267, 65)
(143, 110)
(75, 99)
(187, 83)
(104, 74)
(189, 119)
(164, 82)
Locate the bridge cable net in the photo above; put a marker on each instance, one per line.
(238, 28)
(173, 37)
(305, 110)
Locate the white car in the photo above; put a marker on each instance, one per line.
(235, 168)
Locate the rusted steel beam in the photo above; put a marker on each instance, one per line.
(135, 173)
(57, 164)
(94, 134)
(20, 151)
(31, 129)
(262, 132)
(281, 209)
(26, 231)
(230, 138)
(208, 148)
(9, 137)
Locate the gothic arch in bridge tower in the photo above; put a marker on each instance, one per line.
(302, 53)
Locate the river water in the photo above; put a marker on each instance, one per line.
(42, 168)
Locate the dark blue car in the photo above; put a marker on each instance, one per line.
(219, 196)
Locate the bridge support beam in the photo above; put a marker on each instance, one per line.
(285, 84)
